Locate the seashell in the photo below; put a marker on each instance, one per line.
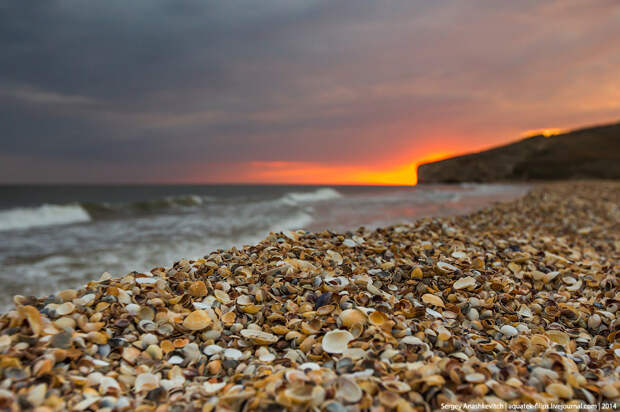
(475, 378)
(467, 282)
(459, 255)
(146, 382)
(549, 277)
(130, 354)
(229, 318)
(389, 399)
(377, 318)
(336, 341)
(232, 354)
(334, 257)
(594, 321)
(352, 317)
(259, 337)
(354, 353)
(35, 320)
(213, 388)
(560, 390)
(416, 273)
(197, 320)
(559, 337)
(445, 268)
(264, 355)
(146, 313)
(244, 300)
(109, 385)
(65, 309)
(349, 243)
(396, 386)
(347, 390)
(335, 284)
(222, 297)
(509, 331)
(36, 395)
(198, 289)
(433, 300)
(525, 311)
(61, 340)
(541, 340)
(252, 309)
(175, 360)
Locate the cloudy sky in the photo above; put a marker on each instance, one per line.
(310, 91)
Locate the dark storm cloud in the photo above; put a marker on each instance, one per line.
(148, 85)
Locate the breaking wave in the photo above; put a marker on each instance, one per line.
(294, 198)
(44, 215)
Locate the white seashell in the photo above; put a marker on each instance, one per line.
(213, 388)
(459, 255)
(244, 300)
(349, 243)
(336, 341)
(309, 365)
(146, 281)
(108, 385)
(233, 354)
(446, 267)
(509, 331)
(146, 382)
(211, 350)
(132, 309)
(175, 360)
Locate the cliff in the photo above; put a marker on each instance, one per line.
(586, 153)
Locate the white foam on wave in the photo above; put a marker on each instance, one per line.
(326, 193)
(44, 215)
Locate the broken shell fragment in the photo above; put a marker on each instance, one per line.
(336, 341)
(259, 337)
(467, 282)
(433, 300)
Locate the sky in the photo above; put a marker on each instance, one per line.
(290, 91)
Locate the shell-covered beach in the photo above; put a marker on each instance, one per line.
(516, 303)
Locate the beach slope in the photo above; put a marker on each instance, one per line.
(516, 303)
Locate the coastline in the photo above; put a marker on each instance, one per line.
(515, 303)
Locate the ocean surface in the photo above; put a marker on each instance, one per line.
(56, 237)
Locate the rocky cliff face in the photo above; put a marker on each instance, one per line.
(586, 153)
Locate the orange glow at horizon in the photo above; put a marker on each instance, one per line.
(544, 132)
(286, 172)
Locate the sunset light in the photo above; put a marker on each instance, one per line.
(544, 132)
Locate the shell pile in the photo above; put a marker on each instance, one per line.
(515, 303)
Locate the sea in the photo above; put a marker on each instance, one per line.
(54, 237)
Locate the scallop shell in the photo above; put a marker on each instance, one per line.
(197, 320)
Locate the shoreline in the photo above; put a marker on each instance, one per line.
(516, 302)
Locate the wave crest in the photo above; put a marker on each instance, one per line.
(44, 215)
(294, 198)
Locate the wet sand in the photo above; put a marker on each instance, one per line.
(516, 303)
